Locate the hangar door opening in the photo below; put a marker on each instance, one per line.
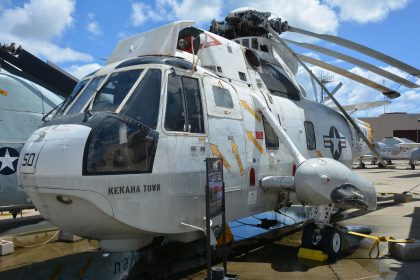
(413, 135)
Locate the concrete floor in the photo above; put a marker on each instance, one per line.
(275, 260)
(279, 259)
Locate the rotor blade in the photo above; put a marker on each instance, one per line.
(357, 62)
(360, 48)
(26, 65)
(360, 106)
(386, 91)
(335, 90)
(346, 115)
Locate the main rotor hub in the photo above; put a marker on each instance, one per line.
(247, 22)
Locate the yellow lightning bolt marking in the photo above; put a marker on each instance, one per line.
(217, 153)
(318, 153)
(229, 236)
(238, 158)
(3, 92)
(253, 140)
(249, 109)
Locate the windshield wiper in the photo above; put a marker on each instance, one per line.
(88, 110)
(52, 110)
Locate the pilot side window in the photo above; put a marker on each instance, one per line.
(310, 135)
(271, 138)
(222, 97)
(183, 106)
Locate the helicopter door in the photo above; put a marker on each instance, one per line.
(184, 135)
(226, 133)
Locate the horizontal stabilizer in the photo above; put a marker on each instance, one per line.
(357, 62)
(386, 91)
(360, 48)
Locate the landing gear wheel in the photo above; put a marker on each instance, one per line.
(14, 214)
(362, 165)
(413, 166)
(388, 162)
(331, 242)
(380, 165)
(308, 235)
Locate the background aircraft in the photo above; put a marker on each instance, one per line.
(23, 103)
(395, 148)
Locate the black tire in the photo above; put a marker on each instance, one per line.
(380, 165)
(14, 214)
(307, 236)
(362, 165)
(332, 242)
(413, 166)
(388, 162)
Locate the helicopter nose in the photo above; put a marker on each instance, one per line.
(53, 150)
(49, 172)
(64, 168)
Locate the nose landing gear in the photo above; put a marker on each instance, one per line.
(320, 235)
(331, 242)
(327, 239)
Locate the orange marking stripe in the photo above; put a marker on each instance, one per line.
(250, 110)
(217, 153)
(255, 141)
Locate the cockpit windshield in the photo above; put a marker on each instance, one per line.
(143, 105)
(77, 89)
(121, 93)
(119, 84)
(84, 96)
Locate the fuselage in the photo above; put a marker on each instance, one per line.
(125, 157)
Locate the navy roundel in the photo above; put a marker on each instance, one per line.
(8, 160)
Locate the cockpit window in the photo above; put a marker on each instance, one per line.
(115, 90)
(277, 81)
(118, 145)
(183, 105)
(77, 89)
(143, 105)
(84, 96)
(175, 108)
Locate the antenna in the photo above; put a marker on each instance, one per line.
(325, 79)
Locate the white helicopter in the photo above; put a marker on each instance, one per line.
(123, 160)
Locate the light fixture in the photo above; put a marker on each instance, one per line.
(64, 199)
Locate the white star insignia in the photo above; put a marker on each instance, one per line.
(7, 161)
(336, 143)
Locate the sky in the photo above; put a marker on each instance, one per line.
(79, 35)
